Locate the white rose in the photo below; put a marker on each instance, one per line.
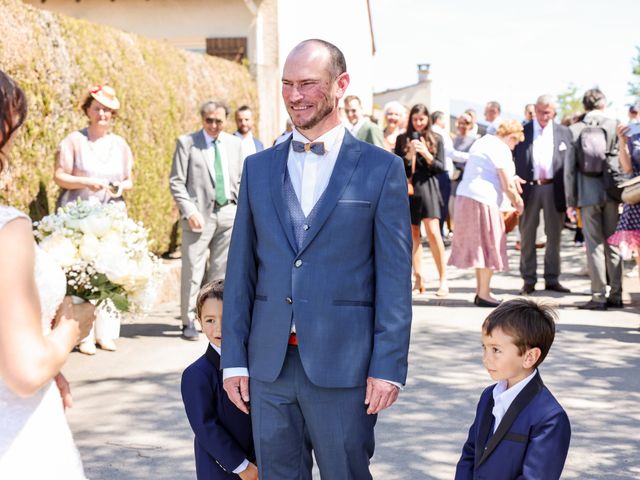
(96, 223)
(61, 249)
(113, 261)
(89, 247)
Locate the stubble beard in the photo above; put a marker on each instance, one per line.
(324, 110)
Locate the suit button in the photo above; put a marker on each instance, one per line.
(298, 263)
(289, 300)
(305, 227)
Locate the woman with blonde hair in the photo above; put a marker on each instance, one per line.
(488, 178)
(395, 117)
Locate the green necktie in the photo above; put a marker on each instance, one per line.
(221, 198)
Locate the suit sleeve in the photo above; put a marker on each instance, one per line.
(199, 403)
(178, 180)
(570, 166)
(240, 282)
(464, 468)
(547, 449)
(392, 257)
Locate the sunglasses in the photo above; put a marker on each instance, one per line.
(211, 121)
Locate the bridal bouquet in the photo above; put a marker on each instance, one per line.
(105, 254)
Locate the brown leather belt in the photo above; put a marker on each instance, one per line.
(293, 339)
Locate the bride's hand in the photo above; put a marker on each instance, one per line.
(80, 317)
(65, 390)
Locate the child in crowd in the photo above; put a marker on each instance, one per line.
(520, 429)
(223, 443)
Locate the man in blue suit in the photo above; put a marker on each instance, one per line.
(318, 303)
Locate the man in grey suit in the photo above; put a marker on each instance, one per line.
(317, 303)
(598, 210)
(540, 161)
(361, 127)
(204, 182)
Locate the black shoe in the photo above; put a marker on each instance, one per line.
(527, 288)
(614, 304)
(556, 287)
(591, 305)
(481, 302)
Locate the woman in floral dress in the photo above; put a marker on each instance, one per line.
(627, 234)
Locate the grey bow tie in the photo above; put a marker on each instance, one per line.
(314, 147)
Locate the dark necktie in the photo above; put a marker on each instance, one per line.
(314, 147)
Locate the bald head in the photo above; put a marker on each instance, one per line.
(324, 51)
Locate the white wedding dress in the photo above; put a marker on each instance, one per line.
(35, 440)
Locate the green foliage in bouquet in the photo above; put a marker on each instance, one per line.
(56, 58)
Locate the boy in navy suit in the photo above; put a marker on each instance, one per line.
(520, 430)
(223, 442)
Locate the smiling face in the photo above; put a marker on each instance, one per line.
(244, 121)
(211, 320)
(353, 110)
(544, 114)
(99, 115)
(420, 121)
(214, 121)
(502, 359)
(310, 92)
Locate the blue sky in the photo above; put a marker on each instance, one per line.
(510, 51)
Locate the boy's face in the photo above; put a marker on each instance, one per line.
(502, 358)
(211, 320)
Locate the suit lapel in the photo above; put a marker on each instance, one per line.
(201, 144)
(556, 159)
(342, 171)
(521, 401)
(277, 172)
(485, 427)
(213, 357)
(528, 135)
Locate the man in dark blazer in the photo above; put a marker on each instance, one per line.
(244, 122)
(540, 162)
(317, 308)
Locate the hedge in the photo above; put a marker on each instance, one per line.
(56, 58)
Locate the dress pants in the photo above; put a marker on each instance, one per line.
(212, 244)
(540, 198)
(598, 224)
(291, 416)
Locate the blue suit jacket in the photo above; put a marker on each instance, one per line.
(531, 441)
(349, 285)
(223, 436)
(259, 145)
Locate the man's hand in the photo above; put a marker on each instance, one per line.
(380, 395)
(251, 472)
(65, 390)
(196, 222)
(237, 389)
(571, 213)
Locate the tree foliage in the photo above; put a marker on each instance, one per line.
(634, 85)
(569, 101)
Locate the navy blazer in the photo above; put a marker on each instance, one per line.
(349, 285)
(259, 145)
(531, 441)
(223, 436)
(523, 157)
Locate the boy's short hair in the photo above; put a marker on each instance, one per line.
(213, 289)
(530, 323)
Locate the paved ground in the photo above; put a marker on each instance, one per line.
(129, 423)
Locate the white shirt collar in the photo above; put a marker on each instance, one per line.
(503, 397)
(208, 138)
(216, 348)
(537, 128)
(329, 138)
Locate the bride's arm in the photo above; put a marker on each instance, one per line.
(28, 359)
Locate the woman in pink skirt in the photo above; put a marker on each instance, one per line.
(488, 177)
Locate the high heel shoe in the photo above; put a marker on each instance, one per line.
(88, 348)
(418, 287)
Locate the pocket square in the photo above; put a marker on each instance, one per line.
(562, 147)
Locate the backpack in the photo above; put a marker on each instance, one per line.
(592, 149)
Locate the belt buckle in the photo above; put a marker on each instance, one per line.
(220, 205)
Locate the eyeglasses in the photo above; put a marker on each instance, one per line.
(211, 121)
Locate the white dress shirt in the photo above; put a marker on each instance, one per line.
(503, 397)
(243, 466)
(212, 158)
(542, 151)
(248, 145)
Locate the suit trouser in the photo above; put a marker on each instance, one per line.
(291, 416)
(214, 240)
(540, 198)
(599, 223)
